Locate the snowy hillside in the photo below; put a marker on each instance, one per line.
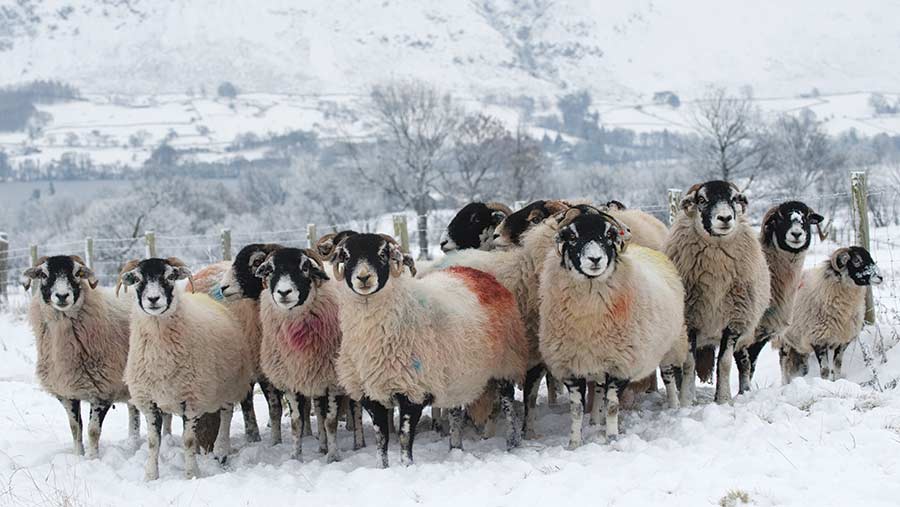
(622, 50)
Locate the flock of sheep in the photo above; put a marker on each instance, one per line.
(599, 297)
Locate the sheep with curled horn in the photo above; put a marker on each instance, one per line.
(81, 334)
(188, 357)
(609, 312)
(725, 276)
(301, 337)
(785, 236)
(828, 313)
(473, 226)
(442, 339)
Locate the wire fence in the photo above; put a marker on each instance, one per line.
(106, 256)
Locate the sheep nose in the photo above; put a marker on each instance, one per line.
(153, 299)
(496, 236)
(796, 235)
(364, 278)
(725, 219)
(284, 293)
(595, 260)
(443, 243)
(224, 287)
(62, 297)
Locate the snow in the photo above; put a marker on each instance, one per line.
(811, 442)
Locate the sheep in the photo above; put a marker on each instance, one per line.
(441, 340)
(473, 226)
(81, 334)
(828, 312)
(236, 286)
(301, 337)
(785, 237)
(609, 313)
(726, 280)
(188, 356)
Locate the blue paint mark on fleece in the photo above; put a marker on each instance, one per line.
(217, 294)
(417, 364)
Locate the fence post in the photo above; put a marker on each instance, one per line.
(422, 227)
(89, 252)
(859, 194)
(401, 232)
(33, 250)
(311, 236)
(4, 267)
(674, 204)
(150, 238)
(226, 244)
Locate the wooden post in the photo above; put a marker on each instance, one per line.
(226, 245)
(150, 238)
(89, 252)
(859, 194)
(33, 250)
(311, 236)
(401, 232)
(674, 195)
(4, 267)
(422, 227)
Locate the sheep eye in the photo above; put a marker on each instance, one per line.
(701, 199)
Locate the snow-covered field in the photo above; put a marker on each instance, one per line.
(813, 442)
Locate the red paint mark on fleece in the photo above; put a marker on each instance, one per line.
(504, 322)
(621, 307)
(314, 328)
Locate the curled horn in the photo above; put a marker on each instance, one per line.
(396, 266)
(688, 199)
(178, 263)
(325, 246)
(823, 231)
(312, 254)
(834, 257)
(26, 280)
(764, 228)
(130, 265)
(499, 206)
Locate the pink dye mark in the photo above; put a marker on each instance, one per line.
(316, 327)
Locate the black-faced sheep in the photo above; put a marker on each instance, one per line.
(81, 334)
(828, 312)
(726, 280)
(188, 356)
(785, 237)
(441, 339)
(301, 337)
(473, 226)
(608, 313)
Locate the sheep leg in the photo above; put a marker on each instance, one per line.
(222, 446)
(530, 393)
(95, 424)
(723, 365)
(687, 382)
(333, 404)
(614, 387)
(344, 413)
(296, 402)
(824, 365)
(251, 427)
(273, 399)
(552, 389)
(576, 411)
(73, 410)
(134, 423)
(596, 401)
(742, 358)
(359, 439)
(457, 416)
(379, 415)
(154, 435)
(410, 413)
(306, 409)
(756, 348)
(669, 373)
(321, 404)
(838, 353)
(793, 364)
(507, 405)
(167, 424)
(189, 438)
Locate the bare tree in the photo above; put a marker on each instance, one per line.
(525, 167)
(414, 122)
(733, 141)
(803, 154)
(480, 147)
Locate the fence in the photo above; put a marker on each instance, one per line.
(106, 255)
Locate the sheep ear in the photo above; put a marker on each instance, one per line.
(741, 199)
(839, 259)
(265, 269)
(497, 217)
(30, 274)
(85, 273)
(181, 272)
(815, 218)
(410, 263)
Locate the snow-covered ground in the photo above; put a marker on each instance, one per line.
(813, 442)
